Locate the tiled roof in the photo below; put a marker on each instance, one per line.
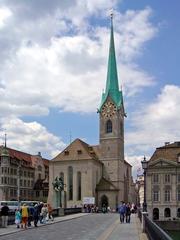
(168, 151)
(77, 150)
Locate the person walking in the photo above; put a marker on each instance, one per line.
(18, 218)
(36, 214)
(44, 212)
(50, 210)
(24, 213)
(122, 212)
(128, 213)
(4, 215)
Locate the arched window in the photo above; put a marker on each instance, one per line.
(108, 126)
(70, 182)
(39, 168)
(155, 214)
(178, 212)
(121, 128)
(79, 186)
(167, 212)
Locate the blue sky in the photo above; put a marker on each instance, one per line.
(53, 69)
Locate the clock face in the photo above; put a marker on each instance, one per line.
(108, 109)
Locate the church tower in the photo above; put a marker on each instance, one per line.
(111, 120)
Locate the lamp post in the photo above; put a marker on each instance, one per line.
(144, 166)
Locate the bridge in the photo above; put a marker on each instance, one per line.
(88, 226)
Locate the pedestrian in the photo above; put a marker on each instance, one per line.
(128, 213)
(122, 211)
(36, 214)
(24, 213)
(4, 215)
(44, 212)
(40, 205)
(50, 210)
(18, 217)
(30, 214)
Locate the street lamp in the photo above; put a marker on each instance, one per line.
(144, 166)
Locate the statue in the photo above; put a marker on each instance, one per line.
(58, 184)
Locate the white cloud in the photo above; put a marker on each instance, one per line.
(68, 73)
(5, 13)
(157, 122)
(30, 137)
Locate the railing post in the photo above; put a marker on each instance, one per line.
(143, 221)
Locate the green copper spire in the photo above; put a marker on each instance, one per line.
(112, 86)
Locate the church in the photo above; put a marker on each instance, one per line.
(97, 172)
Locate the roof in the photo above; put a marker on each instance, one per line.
(112, 86)
(105, 185)
(13, 153)
(77, 150)
(168, 151)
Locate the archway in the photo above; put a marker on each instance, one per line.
(167, 212)
(104, 201)
(155, 214)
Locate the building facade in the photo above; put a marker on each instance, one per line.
(23, 176)
(163, 183)
(100, 171)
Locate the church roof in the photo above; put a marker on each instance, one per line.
(112, 86)
(105, 185)
(77, 150)
(169, 151)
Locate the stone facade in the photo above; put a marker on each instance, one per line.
(163, 183)
(23, 176)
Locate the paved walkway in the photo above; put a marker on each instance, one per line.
(116, 231)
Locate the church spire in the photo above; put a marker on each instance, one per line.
(112, 86)
(112, 76)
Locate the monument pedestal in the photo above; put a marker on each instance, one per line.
(60, 212)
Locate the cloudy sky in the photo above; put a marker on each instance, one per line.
(53, 69)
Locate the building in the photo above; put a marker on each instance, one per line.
(100, 171)
(163, 183)
(140, 190)
(23, 176)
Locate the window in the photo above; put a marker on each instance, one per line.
(70, 182)
(79, 186)
(167, 195)
(39, 168)
(66, 152)
(178, 212)
(155, 178)
(79, 151)
(37, 193)
(167, 212)
(121, 128)
(167, 178)
(178, 193)
(156, 195)
(178, 177)
(109, 126)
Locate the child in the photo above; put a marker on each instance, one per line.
(18, 218)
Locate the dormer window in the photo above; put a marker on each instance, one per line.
(79, 151)
(66, 152)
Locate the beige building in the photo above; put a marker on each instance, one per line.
(98, 172)
(23, 176)
(163, 182)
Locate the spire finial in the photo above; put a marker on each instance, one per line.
(5, 139)
(111, 13)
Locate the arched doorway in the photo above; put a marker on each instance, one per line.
(167, 212)
(104, 201)
(155, 214)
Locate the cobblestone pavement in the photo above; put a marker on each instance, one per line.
(88, 227)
